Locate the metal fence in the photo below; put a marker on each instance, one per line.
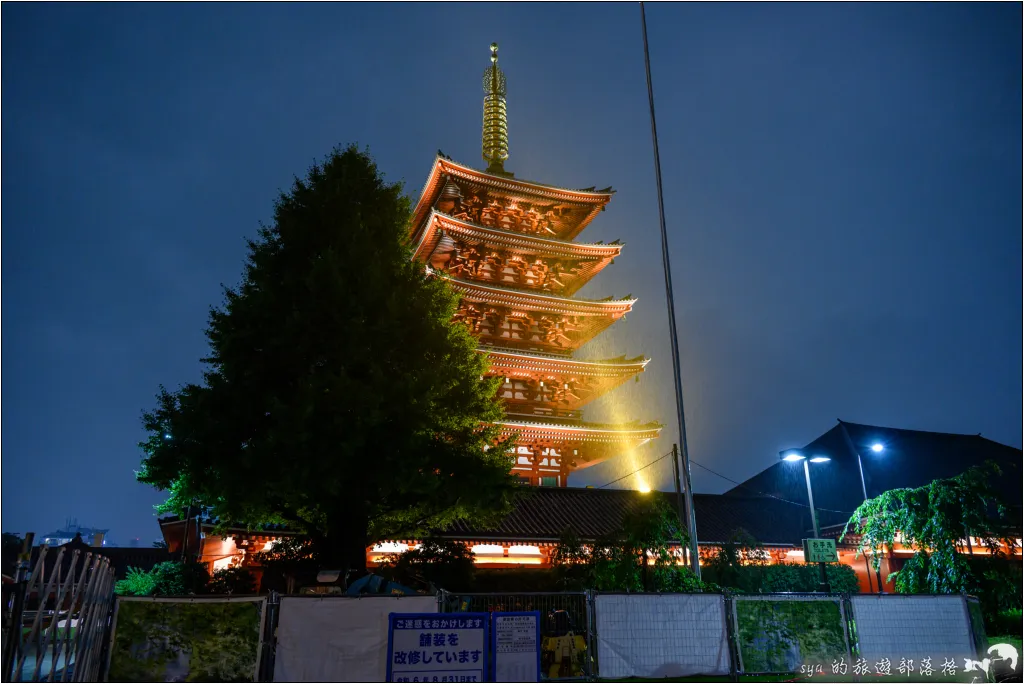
(57, 627)
(566, 625)
(56, 618)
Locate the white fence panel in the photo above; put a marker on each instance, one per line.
(913, 627)
(338, 639)
(661, 635)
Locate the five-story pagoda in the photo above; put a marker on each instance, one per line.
(507, 246)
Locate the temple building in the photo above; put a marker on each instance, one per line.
(507, 246)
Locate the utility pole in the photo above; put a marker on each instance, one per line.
(680, 506)
(677, 373)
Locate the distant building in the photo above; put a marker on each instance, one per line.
(892, 458)
(121, 559)
(72, 528)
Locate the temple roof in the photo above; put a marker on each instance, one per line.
(530, 320)
(535, 301)
(593, 201)
(601, 441)
(544, 513)
(560, 365)
(437, 244)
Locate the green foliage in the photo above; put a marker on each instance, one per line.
(1005, 622)
(339, 398)
(232, 581)
(780, 635)
(933, 520)
(169, 578)
(289, 560)
(221, 640)
(741, 565)
(436, 564)
(635, 558)
(136, 583)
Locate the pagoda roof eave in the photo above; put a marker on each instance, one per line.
(599, 431)
(628, 366)
(530, 243)
(439, 227)
(606, 439)
(443, 166)
(535, 301)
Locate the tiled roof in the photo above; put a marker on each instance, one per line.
(545, 513)
(910, 458)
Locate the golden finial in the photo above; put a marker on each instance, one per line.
(495, 134)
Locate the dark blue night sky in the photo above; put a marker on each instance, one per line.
(843, 197)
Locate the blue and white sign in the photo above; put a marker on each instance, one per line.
(438, 648)
(515, 638)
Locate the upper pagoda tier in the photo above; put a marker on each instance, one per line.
(553, 386)
(528, 321)
(500, 201)
(469, 251)
(574, 445)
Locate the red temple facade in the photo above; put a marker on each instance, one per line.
(508, 247)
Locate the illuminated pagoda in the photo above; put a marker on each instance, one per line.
(507, 247)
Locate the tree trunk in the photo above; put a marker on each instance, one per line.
(344, 548)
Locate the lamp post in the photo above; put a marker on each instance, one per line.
(793, 455)
(876, 447)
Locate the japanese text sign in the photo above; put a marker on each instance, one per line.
(437, 648)
(516, 642)
(820, 551)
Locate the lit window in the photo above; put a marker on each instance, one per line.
(524, 550)
(488, 550)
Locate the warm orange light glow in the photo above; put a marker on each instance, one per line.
(517, 560)
(488, 550)
(524, 550)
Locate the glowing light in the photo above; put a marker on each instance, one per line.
(644, 489)
(524, 550)
(222, 564)
(793, 456)
(488, 550)
(390, 547)
(820, 459)
(877, 448)
(167, 435)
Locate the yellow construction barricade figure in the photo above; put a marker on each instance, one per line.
(562, 649)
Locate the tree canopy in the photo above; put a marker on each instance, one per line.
(636, 557)
(935, 521)
(337, 397)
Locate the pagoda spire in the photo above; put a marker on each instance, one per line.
(495, 130)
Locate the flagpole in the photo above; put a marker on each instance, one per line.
(677, 370)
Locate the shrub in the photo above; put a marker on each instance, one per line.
(435, 564)
(136, 583)
(169, 578)
(232, 581)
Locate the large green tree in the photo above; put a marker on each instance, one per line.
(935, 521)
(337, 396)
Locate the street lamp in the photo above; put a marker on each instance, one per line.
(792, 456)
(877, 448)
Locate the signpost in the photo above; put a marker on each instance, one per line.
(515, 639)
(820, 551)
(438, 647)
